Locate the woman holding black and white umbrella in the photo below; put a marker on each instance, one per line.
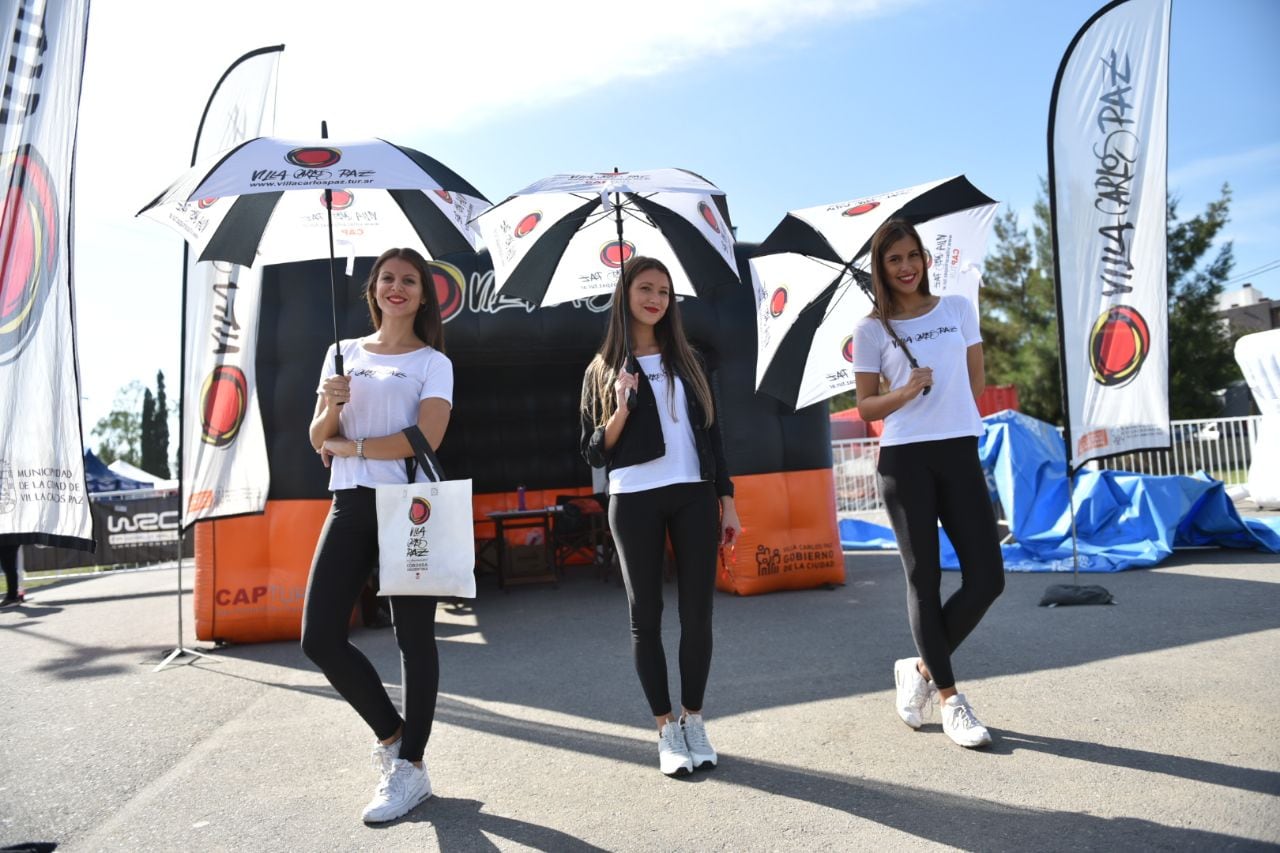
(667, 477)
(395, 378)
(918, 365)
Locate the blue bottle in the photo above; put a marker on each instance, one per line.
(520, 497)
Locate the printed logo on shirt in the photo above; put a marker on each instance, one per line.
(378, 372)
(930, 335)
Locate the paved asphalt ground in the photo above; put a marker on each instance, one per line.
(1148, 725)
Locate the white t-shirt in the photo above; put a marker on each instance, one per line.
(939, 340)
(385, 393)
(680, 462)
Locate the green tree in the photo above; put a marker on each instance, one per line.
(155, 430)
(1020, 315)
(1201, 359)
(148, 431)
(119, 434)
(1020, 321)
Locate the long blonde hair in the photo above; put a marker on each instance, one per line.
(598, 397)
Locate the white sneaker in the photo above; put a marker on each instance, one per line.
(382, 756)
(914, 699)
(701, 752)
(673, 752)
(403, 786)
(961, 724)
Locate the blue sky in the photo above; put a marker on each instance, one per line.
(782, 103)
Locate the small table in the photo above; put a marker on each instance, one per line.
(520, 519)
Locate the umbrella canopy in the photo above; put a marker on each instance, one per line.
(264, 201)
(257, 204)
(567, 236)
(812, 279)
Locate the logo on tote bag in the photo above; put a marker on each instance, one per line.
(419, 511)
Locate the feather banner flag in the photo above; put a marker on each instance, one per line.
(224, 450)
(42, 484)
(1108, 129)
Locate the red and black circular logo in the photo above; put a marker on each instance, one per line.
(778, 302)
(313, 158)
(709, 216)
(525, 226)
(1118, 345)
(859, 209)
(342, 199)
(614, 255)
(846, 349)
(224, 399)
(28, 248)
(449, 288)
(419, 511)
(445, 196)
(206, 203)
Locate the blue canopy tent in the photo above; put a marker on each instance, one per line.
(99, 478)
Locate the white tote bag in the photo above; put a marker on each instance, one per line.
(426, 537)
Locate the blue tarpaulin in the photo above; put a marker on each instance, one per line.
(1123, 520)
(99, 478)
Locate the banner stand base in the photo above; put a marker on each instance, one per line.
(1061, 595)
(181, 652)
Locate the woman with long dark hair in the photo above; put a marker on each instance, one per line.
(667, 477)
(929, 469)
(397, 377)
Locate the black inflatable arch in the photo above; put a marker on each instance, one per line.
(518, 373)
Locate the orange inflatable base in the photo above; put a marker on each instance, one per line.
(251, 571)
(790, 539)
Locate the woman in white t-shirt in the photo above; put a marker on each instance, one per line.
(667, 477)
(395, 378)
(918, 365)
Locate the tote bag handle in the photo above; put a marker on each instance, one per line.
(423, 454)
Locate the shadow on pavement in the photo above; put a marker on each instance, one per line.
(552, 648)
(462, 825)
(1244, 778)
(954, 820)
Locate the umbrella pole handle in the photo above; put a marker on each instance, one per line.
(629, 364)
(333, 278)
(333, 288)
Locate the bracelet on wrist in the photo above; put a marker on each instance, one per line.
(359, 448)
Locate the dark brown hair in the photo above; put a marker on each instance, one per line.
(427, 324)
(886, 235)
(598, 395)
(884, 304)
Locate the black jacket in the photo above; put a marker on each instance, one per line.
(641, 438)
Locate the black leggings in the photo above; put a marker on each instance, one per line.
(9, 560)
(345, 555)
(923, 483)
(641, 521)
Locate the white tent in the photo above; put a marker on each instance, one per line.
(133, 472)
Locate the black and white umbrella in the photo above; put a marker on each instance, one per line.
(812, 279)
(567, 236)
(272, 200)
